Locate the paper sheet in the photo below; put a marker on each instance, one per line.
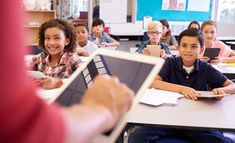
(157, 97)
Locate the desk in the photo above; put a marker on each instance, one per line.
(203, 113)
(227, 70)
(232, 44)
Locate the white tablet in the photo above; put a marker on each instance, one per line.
(36, 74)
(206, 94)
(135, 70)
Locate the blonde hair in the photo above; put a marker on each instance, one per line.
(152, 26)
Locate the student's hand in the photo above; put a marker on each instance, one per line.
(173, 47)
(50, 82)
(82, 52)
(218, 91)
(109, 93)
(205, 59)
(146, 51)
(163, 54)
(216, 60)
(104, 44)
(189, 92)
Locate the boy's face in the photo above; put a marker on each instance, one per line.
(55, 41)
(155, 34)
(209, 32)
(98, 29)
(189, 50)
(81, 34)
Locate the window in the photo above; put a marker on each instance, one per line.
(226, 11)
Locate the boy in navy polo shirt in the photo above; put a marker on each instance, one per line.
(186, 74)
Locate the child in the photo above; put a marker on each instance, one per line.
(85, 47)
(58, 61)
(166, 35)
(99, 37)
(209, 31)
(154, 33)
(186, 74)
(194, 24)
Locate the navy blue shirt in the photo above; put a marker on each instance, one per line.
(202, 76)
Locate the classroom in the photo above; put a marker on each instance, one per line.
(118, 71)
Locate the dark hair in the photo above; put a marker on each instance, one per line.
(62, 25)
(194, 22)
(82, 25)
(208, 22)
(166, 24)
(98, 21)
(192, 32)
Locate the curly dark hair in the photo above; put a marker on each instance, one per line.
(62, 25)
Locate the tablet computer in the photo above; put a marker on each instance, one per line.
(212, 53)
(137, 71)
(206, 94)
(155, 50)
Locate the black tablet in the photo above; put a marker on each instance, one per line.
(211, 53)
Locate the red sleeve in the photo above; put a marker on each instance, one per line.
(24, 118)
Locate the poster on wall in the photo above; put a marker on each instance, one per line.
(226, 11)
(174, 5)
(199, 5)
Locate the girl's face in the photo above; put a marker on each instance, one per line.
(165, 30)
(98, 29)
(189, 50)
(82, 34)
(209, 32)
(55, 41)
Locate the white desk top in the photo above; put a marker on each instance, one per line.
(225, 68)
(231, 42)
(226, 37)
(203, 113)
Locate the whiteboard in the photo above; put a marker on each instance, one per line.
(113, 11)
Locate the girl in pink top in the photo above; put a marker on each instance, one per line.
(209, 31)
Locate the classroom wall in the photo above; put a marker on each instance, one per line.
(136, 27)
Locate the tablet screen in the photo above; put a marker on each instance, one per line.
(212, 53)
(132, 73)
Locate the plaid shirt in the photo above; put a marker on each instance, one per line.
(68, 63)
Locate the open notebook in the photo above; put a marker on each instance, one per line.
(136, 71)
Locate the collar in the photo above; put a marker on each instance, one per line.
(63, 59)
(179, 64)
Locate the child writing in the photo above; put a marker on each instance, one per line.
(99, 37)
(209, 31)
(84, 46)
(154, 33)
(166, 35)
(58, 61)
(186, 74)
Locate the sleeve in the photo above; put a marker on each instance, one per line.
(24, 118)
(75, 61)
(109, 38)
(165, 70)
(141, 48)
(166, 48)
(32, 63)
(215, 78)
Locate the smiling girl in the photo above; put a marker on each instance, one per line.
(57, 61)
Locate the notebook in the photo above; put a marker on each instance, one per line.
(135, 70)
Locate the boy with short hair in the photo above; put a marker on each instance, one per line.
(154, 33)
(84, 46)
(187, 74)
(99, 37)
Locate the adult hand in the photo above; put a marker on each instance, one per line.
(108, 92)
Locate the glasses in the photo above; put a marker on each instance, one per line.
(155, 32)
